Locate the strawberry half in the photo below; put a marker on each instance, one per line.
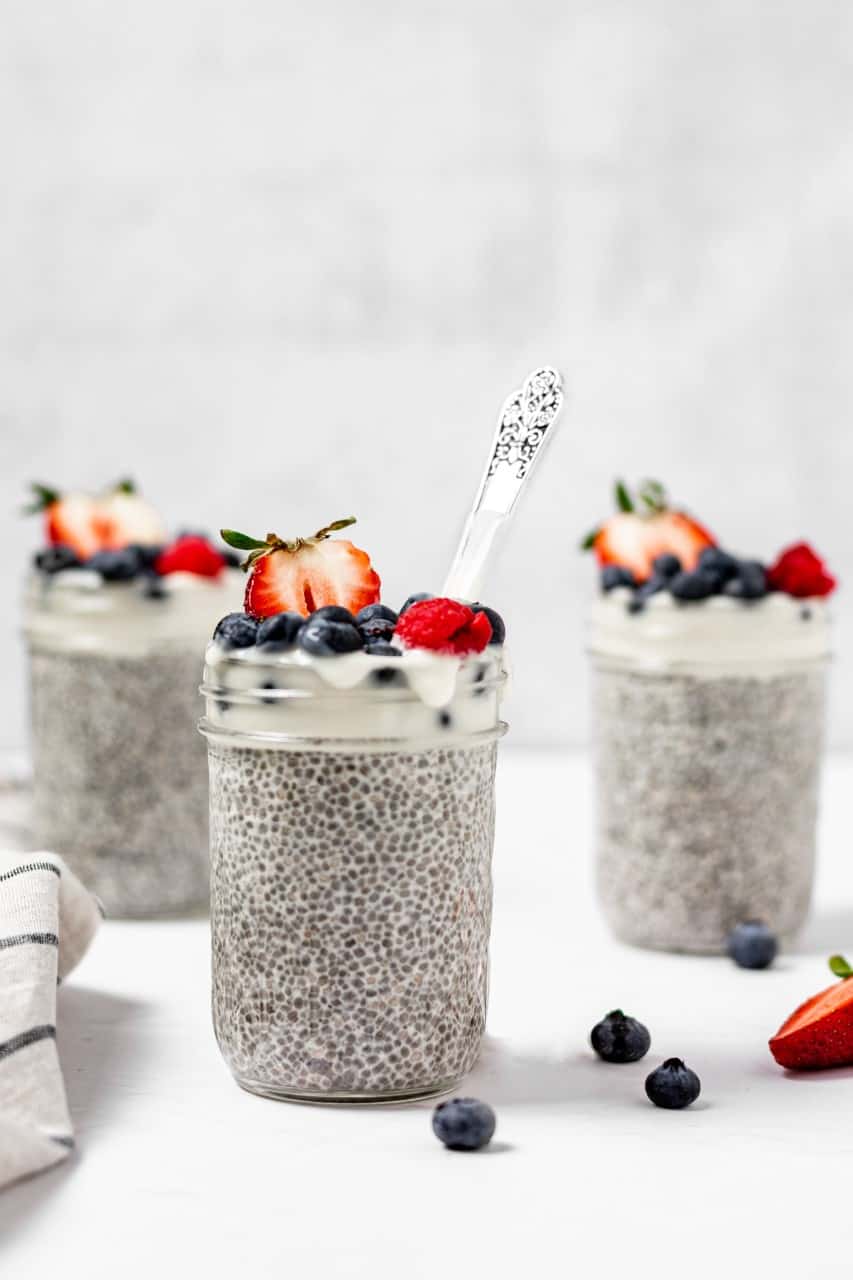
(124, 518)
(70, 520)
(305, 574)
(634, 538)
(819, 1033)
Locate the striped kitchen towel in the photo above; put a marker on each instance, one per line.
(47, 920)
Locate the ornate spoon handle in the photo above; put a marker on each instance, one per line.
(527, 418)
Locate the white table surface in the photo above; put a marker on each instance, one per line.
(178, 1168)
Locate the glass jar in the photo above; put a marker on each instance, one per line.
(351, 886)
(119, 775)
(708, 726)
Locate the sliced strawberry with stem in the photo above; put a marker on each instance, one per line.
(819, 1033)
(70, 520)
(635, 536)
(125, 518)
(304, 574)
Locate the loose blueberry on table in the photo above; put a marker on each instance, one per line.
(672, 1085)
(619, 1038)
(464, 1124)
(752, 945)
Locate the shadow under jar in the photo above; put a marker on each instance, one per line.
(708, 722)
(119, 775)
(352, 828)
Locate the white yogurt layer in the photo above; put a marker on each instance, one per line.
(714, 636)
(293, 694)
(77, 611)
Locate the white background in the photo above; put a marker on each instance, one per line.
(283, 261)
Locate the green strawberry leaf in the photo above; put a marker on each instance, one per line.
(125, 486)
(623, 498)
(653, 495)
(589, 541)
(334, 527)
(43, 497)
(840, 967)
(241, 541)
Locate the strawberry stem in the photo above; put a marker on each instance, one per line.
(653, 496)
(43, 497)
(258, 548)
(624, 500)
(125, 486)
(589, 541)
(840, 967)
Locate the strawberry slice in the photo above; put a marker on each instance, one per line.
(70, 519)
(819, 1033)
(635, 538)
(124, 518)
(305, 574)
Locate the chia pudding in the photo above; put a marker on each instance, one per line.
(352, 822)
(709, 724)
(119, 776)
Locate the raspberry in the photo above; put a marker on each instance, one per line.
(190, 554)
(445, 626)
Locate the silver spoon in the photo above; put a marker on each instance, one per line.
(528, 418)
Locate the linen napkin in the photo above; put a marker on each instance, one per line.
(47, 920)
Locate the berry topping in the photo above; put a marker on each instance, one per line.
(749, 581)
(280, 631)
(70, 520)
(614, 575)
(820, 1032)
(672, 1085)
(799, 572)
(636, 536)
(496, 621)
(446, 626)
(236, 631)
(124, 518)
(380, 649)
(667, 565)
(464, 1124)
(718, 565)
(618, 1038)
(371, 611)
(416, 599)
(326, 636)
(55, 559)
(305, 574)
(116, 566)
(751, 945)
(377, 629)
(691, 586)
(190, 553)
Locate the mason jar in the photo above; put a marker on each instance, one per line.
(352, 822)
(708, 724)
(119, 775)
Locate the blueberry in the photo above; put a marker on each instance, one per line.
(334, 613)
(718, 563)
(618, 1038)
(154, 588)
(146, 555)
(498, 624)
(371, 611)
(615, 575)
(752, 945)
(236, 631)
(672, 1085)
(644, 591)
(381, 649)
(280, 631)
(324, 636)
(666, 566)
(416, 599)
(269, 684)
(750, 581)
(55, 559)
(691, 586)
(231, 558)
(464, 1124)
(116, 566)
(376, 630)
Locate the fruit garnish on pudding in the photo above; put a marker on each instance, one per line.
(645, 528)
(302, 575)
(656, 551)
(819, 1033)
(445, 626)
(118, 536)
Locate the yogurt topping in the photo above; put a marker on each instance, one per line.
(293, 694)
(77, 611)
(714, 635)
